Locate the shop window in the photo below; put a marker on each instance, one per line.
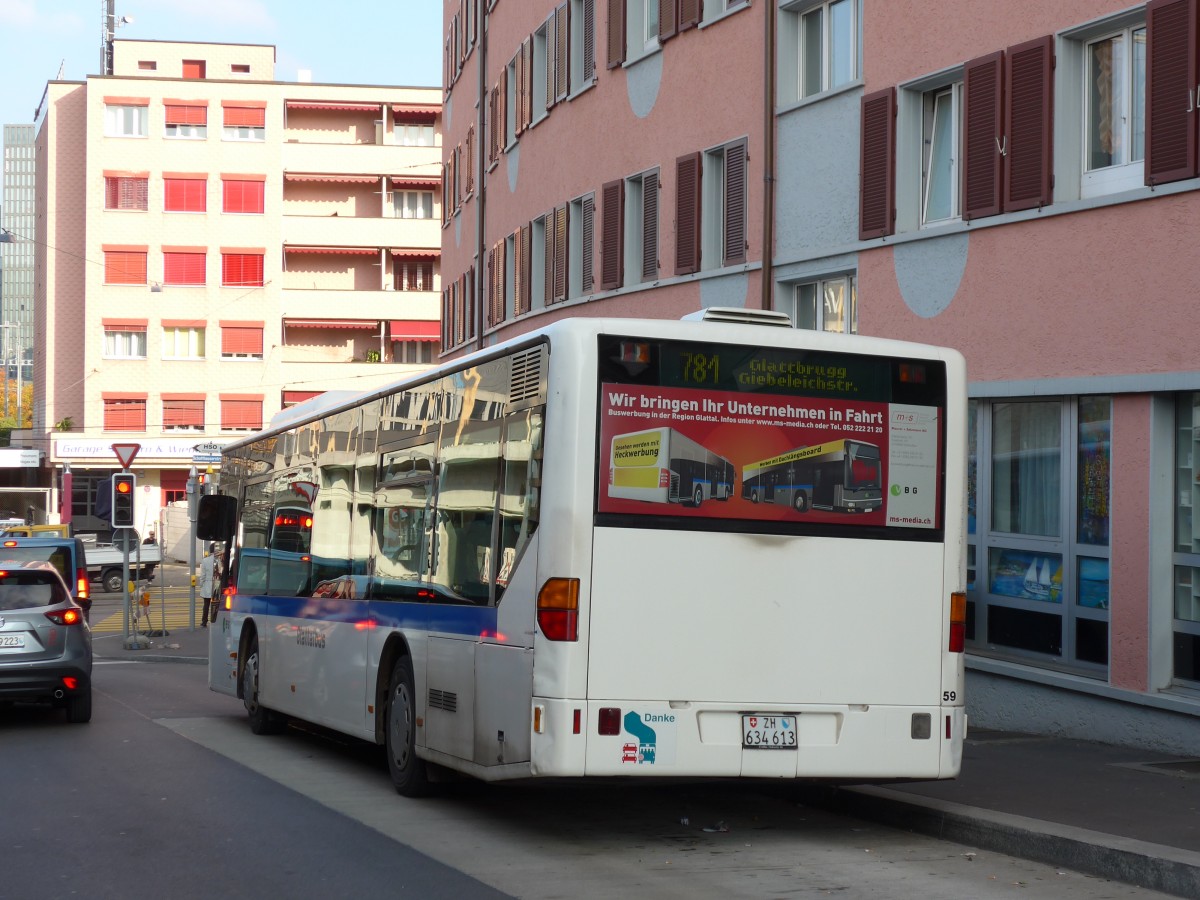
(1186, 619)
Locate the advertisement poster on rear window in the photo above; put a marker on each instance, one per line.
(672, 451)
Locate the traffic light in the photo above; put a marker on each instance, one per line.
(123, 486)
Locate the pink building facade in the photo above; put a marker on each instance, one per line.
(1011, 179)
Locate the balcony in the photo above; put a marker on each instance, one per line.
(360, 231)
(382, 305)
(362, 159)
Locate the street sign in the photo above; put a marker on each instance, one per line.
(126, 453)
(207, 452)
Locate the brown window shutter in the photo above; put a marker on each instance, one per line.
(548, 258)
(502, 110)
(1028, 146)
(526, 268)
(527, 53)
(589, 40)
(689, 13)
(551, 60)
(650, 227)
(1171, 74)
(560, 254)
(519, 93)
(877, 190)
(588, 225)
(668, 19)
(983, 102)
(616, 37)
(493, 152)
(562, 51)
(519, 272)
(612, 206)
(469, 312)
(687, 214)
(734, 226)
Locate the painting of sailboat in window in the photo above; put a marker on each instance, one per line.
(1030, 576)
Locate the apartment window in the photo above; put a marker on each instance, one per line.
(941, 139)
(243, 195)
(242, 269)
(641, 27)
(244, 123)
(581, 218)
(241, 412)
(184, 267)
(241, 340)
(124, 266)
(185, 121)
(1115, 112)
(194, 68)
(827, 305)
(147, 65)
(126, 192)
(182, 340)
(185, 193)
(413, 352)
(412, 204)
(124, 412)
(413, 134)
(1043, 536)
(641, 228)
(183, 412)
(543, 72)
(581, 57)
(412, 275)
(723, 206)
(122, 120)
(124, 340)
(820, 46)
(239, 68)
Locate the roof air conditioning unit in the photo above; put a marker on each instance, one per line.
(739, 316)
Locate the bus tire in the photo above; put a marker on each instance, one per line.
(800, 502)
(698, 496)
(262, 720)
(408, 771)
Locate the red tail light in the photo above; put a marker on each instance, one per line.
(83, 589)
(609, 721)
(69, 616)
(558, 609)
(958, 622)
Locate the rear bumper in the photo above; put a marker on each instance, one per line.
(33, 681)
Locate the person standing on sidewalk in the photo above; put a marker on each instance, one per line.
(208, 578)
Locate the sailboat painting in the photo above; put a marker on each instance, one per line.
(1032, 576)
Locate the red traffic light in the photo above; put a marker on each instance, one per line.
(122, 486)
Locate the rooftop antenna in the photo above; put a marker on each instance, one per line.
(108, 27)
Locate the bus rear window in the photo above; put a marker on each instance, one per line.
(767, 438)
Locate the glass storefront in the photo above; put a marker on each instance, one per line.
(1186, 624)
(1038, 522)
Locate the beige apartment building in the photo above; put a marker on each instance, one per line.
(214, 246)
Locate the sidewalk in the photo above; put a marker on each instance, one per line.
(1127, 815)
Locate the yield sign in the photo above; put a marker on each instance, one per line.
(126, 453)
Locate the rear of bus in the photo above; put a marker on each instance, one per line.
(743, 639)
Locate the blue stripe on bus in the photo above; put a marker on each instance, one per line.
(442, 618)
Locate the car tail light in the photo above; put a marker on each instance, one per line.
(82, 589)
(558, 609)
(68, 616)
(958, 621)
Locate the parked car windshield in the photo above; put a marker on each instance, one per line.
(27, 590)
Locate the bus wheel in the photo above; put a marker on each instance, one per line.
(698, 497)
(400, 733)
(800, 501)
(262, 720)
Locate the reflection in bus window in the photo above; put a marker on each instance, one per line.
(522, 485)
(468, 476)
(401, 510)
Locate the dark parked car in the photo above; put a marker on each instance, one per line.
(45, 640)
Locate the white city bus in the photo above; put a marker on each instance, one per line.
(439, 566)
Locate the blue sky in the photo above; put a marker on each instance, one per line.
(342, 41)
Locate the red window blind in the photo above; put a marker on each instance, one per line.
(177, 114)
(182, 411)
(124, 266)
(242, 269)
(193, 68)
(246, 116)
(241, 413)
(183, 268)
(125, 193)
(243, 196)
(124, 414)
(241, 338)
(877, 172)
(185, 194)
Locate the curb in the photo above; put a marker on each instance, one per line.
(136, 656)
(1153, 866)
